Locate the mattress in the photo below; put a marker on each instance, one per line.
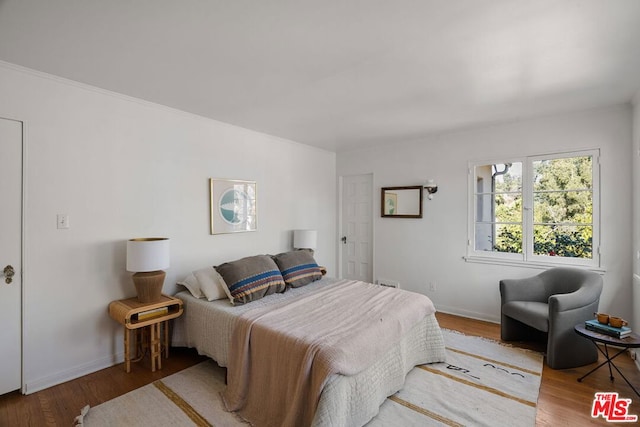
(345, 400)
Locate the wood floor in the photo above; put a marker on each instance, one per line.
(562, 402)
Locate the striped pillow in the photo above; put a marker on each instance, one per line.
(251, 278)
(298, 268)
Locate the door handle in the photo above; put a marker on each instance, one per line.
(344, 239)
(9, 272)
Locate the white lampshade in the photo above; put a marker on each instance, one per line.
(147, 254)
(305, 239)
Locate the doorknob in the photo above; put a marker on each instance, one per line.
(344, 239)
(9, 272)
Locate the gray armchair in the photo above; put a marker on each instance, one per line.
(552, 302)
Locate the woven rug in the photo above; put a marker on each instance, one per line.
(482, 383)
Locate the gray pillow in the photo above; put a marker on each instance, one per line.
(298, 268)
(251, 278)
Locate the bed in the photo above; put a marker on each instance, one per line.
(344, 399)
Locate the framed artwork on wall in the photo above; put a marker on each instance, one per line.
(233, 206)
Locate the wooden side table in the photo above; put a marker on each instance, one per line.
(632, 341)
(135, 316)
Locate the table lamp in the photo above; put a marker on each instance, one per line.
(305, 239)
(147, 257)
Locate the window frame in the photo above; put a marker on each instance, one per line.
(528, 257)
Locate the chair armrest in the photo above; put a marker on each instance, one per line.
(527, 289)
(583, 297)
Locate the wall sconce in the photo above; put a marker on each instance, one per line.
(431, 187)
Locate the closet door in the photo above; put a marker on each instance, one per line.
(10, 255)
(357, 228)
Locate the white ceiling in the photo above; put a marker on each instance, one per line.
(339, 74)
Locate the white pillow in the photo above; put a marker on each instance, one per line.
(191, 283)
(211, 284)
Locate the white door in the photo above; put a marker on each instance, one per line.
(10, 255)
(357, 227)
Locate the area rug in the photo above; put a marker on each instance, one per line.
(482, 383)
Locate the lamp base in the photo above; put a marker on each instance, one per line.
(149, 285)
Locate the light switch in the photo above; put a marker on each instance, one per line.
(63, 221)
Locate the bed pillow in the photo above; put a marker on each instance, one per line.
(298, 268)
(205, 283)
(251, 278)
(211, 284)
(191, 283)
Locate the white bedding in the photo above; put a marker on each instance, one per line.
(345, 401)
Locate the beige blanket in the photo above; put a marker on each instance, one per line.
(282, 356)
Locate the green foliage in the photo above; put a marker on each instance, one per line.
(509, 239)
(563, 241)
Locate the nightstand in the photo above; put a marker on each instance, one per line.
(146, 318)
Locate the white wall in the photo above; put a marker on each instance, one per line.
(635, 155)
(419, 251)
(123, 168)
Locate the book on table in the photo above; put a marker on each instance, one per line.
(150, 314)
(594, 325)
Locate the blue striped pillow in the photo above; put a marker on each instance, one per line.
(298, 268)
(251, 278)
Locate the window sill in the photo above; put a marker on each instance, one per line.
(529, 264)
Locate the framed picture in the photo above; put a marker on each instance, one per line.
(233, 206)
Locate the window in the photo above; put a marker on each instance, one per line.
(536, 209)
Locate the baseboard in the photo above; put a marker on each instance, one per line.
(71, 374)
(469, 314)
